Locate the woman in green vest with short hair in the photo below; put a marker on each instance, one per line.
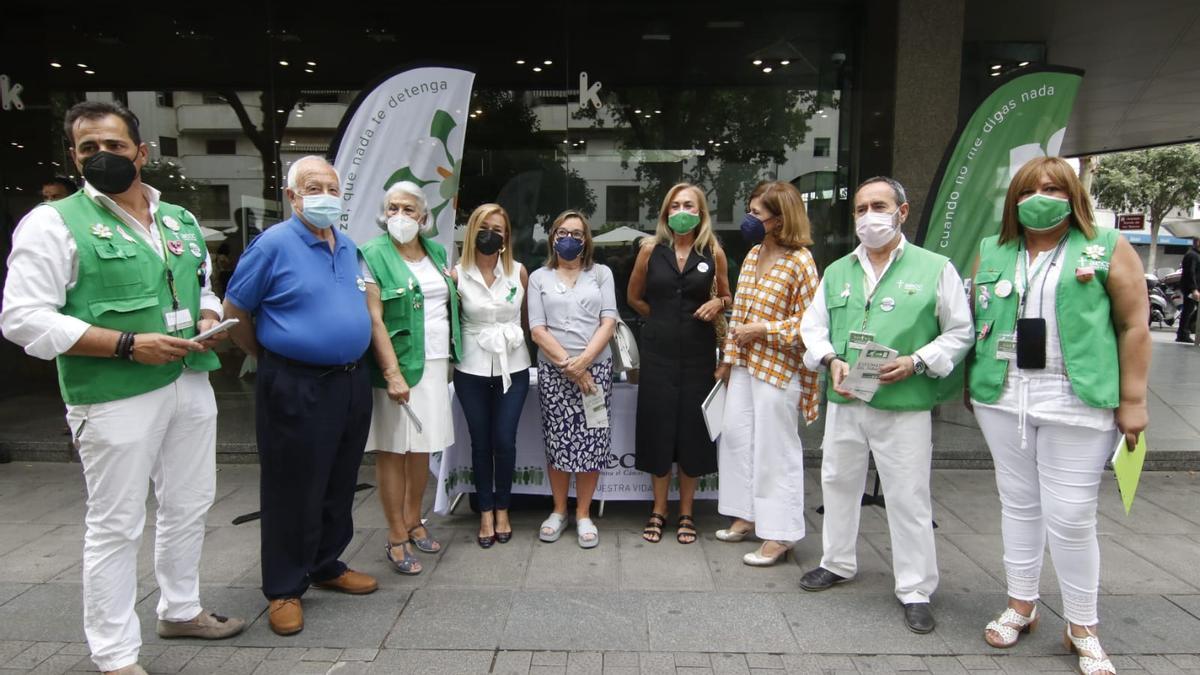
(1058, 374)
(415, 336)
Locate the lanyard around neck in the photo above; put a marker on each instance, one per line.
(1042, 269)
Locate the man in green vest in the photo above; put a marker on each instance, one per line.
(902, 310)
(113, 283)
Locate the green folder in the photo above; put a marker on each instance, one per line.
(1127, 467)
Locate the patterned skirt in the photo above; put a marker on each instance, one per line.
(570, 444)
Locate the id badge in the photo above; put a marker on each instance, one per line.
(178, 320)
(860, 338)
(1006, 346)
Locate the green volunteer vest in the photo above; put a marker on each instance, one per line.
(122, 285)
(1086, 334)
(902, 315)
(402, 307)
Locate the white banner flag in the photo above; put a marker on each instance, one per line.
(409, 127)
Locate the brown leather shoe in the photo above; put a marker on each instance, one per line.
(286, 616)
(354, 583)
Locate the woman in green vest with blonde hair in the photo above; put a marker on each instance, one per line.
(1057, 376)
(413, 303)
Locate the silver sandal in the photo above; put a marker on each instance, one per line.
(408, 563)
(426, 544)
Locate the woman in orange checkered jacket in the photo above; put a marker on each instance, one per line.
(760, 457)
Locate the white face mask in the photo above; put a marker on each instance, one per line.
(402, 228)
(876, 230)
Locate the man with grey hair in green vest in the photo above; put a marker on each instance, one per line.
(113, 283)
(891, 293)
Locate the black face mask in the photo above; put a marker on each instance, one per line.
(488, 242)
(109, 173)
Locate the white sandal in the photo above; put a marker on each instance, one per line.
(1009, 626)
(557, 522)
(1092, 658)
(585, 529)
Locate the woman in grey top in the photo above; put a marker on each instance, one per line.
(572, 315)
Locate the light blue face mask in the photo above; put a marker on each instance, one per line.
(321, 211)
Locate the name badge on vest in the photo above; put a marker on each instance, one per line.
(1006, 346)
(859, 339)
(178, 320)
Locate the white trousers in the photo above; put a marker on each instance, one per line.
(902, 446)
(1049, 493)
(167, 436)
(760, 459)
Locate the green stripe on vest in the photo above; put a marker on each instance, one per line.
(122, 285)
(1085, 329)
(903, 316)
(403, 314)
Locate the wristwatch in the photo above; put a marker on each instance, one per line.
(918, 365)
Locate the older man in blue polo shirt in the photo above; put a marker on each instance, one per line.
(302, 304)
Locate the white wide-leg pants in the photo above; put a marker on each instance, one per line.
(167, 436)
(902, 446)
(1049, 492)
(760, 459)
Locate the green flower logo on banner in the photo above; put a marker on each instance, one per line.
(447, 180)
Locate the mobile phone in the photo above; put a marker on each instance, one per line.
(215, 330)
(1031, 343)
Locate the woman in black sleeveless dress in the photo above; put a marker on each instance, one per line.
(672, 286)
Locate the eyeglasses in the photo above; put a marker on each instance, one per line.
(562, 234)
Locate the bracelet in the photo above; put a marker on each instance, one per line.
(125, 346)
(119, 351)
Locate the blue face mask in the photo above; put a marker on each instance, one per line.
(753, 229)
(321, 211)
(568, 248)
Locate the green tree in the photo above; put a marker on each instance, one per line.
(1158, 180)
(276, 104)
(741, 131)
(509, 160)
(170, 178)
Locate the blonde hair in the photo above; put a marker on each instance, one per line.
(1061, 174)
(585, 256)
(474, 223)
(705, 240)
(783, 200)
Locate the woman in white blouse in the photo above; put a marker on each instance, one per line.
(492, 379)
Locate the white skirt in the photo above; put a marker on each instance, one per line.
(392, 431)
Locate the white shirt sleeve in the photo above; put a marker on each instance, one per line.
(208, 299)
(814, 330)
(42, 267)
(954, 319)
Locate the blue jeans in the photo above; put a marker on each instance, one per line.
(492, 418)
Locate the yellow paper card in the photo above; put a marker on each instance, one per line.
(1127, 466)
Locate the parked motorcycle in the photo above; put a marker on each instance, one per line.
(1173, 291)
(1162, 310)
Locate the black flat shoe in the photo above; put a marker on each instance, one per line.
(503, 537)
(820, 579)
(486, 542)
(918, 616)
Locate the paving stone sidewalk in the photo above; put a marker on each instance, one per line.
(625, 607)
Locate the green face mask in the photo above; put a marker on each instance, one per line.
(683, 222)
(1043, 212)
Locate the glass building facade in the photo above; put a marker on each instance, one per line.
(722, 95)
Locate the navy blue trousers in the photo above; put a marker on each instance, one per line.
(312, 427)
(492, 419)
